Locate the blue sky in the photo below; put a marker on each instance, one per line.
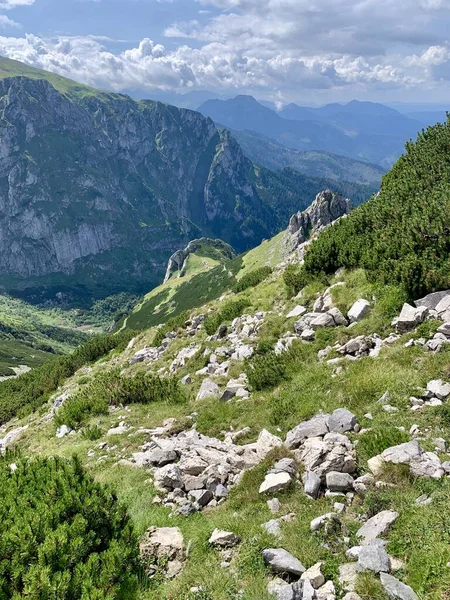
(281, 50)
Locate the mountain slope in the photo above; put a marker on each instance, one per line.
(97, 190)
(268, 153)
(361, 130)
(402, 235)
(309, 448)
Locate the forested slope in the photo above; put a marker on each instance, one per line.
(402, 235)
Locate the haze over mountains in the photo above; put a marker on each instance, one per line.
(364, 131)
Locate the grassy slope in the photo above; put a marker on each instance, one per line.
(200, 285)
(14, 68)
(420, 537)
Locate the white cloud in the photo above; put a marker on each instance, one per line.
(10, 4)
(275, 48)
(6, 22)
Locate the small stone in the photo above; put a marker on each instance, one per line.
(298, 311)
(308, 335)
(266, 443)
(439, 388)
(320, 522)
(274, 505)
(377, 525)
(275, 482)
(314, 575)
(208, 389)
(339, 482)
(358, 311)
(201, 497)
(224, 539)
(373, 557)
(272, 527)
(342, 420)
(348, 576)
(395, 589)
(282, 561)
(312, 484)
(62, 431)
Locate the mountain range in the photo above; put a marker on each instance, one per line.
(98, 190)
(366, 131)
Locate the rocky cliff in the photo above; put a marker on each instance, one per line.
(97, 190)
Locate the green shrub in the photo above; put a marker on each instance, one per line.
(171, 325)
(400, 236)
(93, 433)
(19, 397)
(229, 311)
(296, 278)
(63, 536)
(266, 370)
(111, 389)
(375, 441)
(252, 279)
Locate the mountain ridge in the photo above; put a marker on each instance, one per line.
(97, 190)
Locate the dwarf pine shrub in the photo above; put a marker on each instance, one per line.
(63, 536)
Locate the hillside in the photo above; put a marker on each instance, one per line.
(296, 443)
(402, 235)
(98, 190)
(267, 153)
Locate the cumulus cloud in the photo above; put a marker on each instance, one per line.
(276, 48)
(9, 4)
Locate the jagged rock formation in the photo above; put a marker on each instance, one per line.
(178, 259)
(326, 208)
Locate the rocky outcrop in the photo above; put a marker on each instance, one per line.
(99, 183)
(326, 208)
(178, 259)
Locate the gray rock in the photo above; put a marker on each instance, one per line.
(274, 505)
(208, 389)
(285, 465)
(314, 575)
(159, 458)
(319, 522)
(339, 482)
(323, 320)
(62, 431)
(220, 491)
(373, 557)
(377, 525)
(358, 311)
(403, 453)
(224, 539)
(338, 317)
(272, 527)
(308, 335)
(348, 576)
(315, 427)
(410, 317)
(275, 482)
(312, 484)
(439, 388)
(201, 497)
(298, 311)
(432, 300)
(342, 420)
(267, 442)
(282, 561)
(308, 592)
(169, 476)
(395, 589)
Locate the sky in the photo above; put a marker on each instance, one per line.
(310, 52)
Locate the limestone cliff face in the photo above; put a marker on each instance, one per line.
(100, 186)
